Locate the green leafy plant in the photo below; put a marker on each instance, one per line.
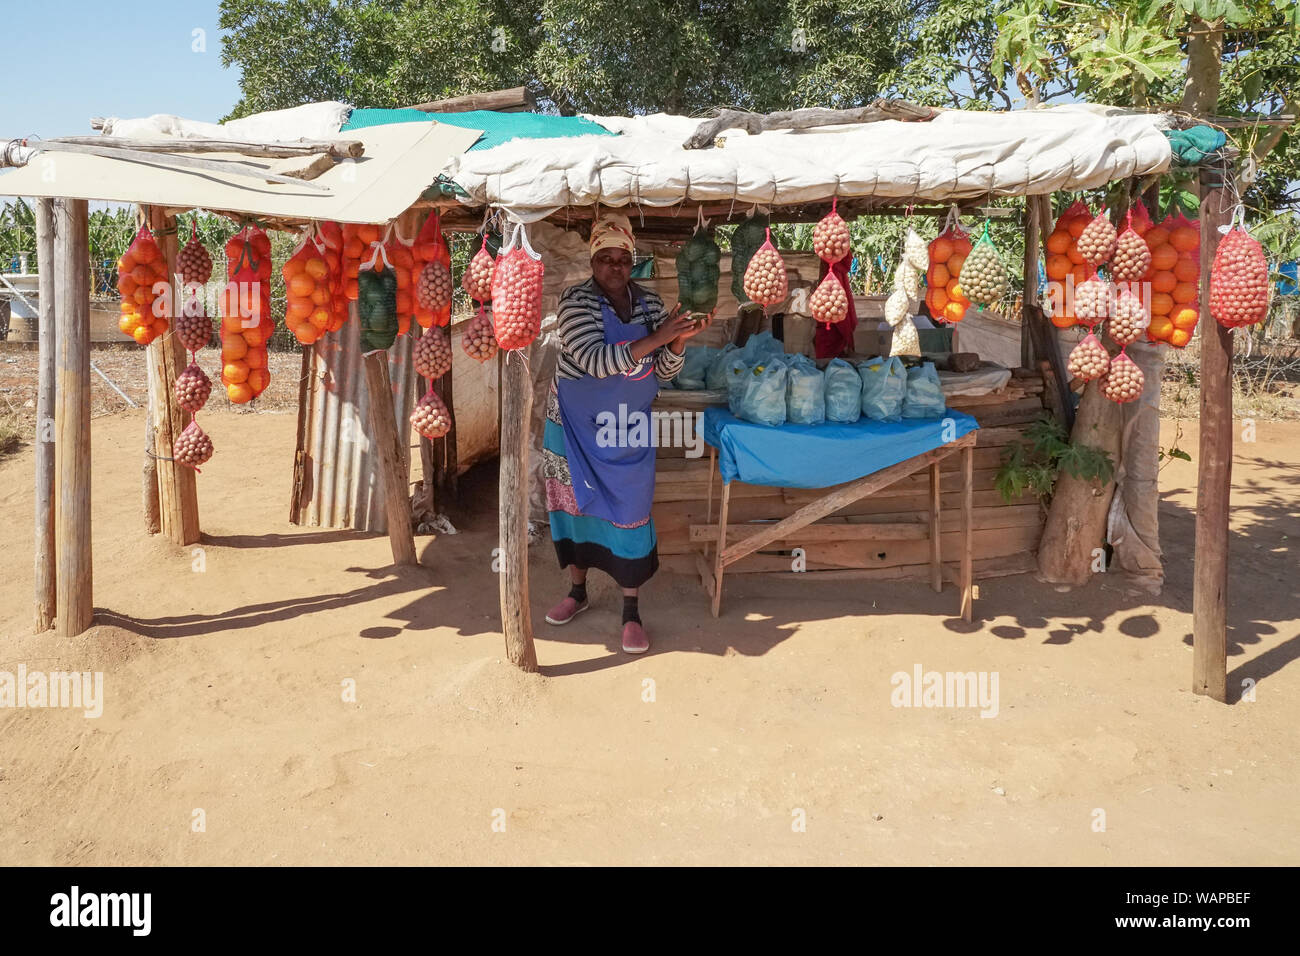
(1032, 464)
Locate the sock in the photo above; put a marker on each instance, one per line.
(629, 609)
(579, 592)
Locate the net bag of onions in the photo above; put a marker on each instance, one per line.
(192, 388)
(1130, 318)
(944, 296)
(193, 326)
(246, 324)
(193, 262)
(307, 308)
(1123, 381)
(983, 277)
(430, 417)
(192, 446)
(698, 271)
(477, 280)
(1097, 240)
(1094, 300)
(1132, 257)
(478, 340)
(831, 237)
(765, 282)
(517, 293)
(1239, 281)
(1088, 360)
(745, 241)
(433, 285)
(431, 354)
(829, 303)
(140, 272)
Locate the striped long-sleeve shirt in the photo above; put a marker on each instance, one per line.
(582, 335)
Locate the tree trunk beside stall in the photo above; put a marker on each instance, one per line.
(1076, 521)
(393, 468)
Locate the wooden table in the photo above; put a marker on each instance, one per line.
(732, 544)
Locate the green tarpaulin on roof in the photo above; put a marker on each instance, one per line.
(497, 127)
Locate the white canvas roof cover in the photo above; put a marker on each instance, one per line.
(400, 161)
(957, 155)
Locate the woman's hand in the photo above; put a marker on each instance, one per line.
(679, 327)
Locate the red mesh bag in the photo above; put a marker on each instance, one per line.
(479, 340)
(1174, 279)
(947, 251)
(144, 301)
(432, 277)
(830, 238)
(1130, 317)
(1132, 258)
(829, 303)
(1097, 240)
(246, 324)
(1239, 281)
(1123, 380)
(765, 281)
(401, 256)
(1088, 360)
(477, 280)
(517, 293)
(331, 235)
(308, 297)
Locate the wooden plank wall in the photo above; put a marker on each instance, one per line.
(1005, 536)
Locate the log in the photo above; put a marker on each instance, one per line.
(516, 394)
(392, 468)
(46, 595)
(149, 464)
(881, 109)
(516, 99)
(178, 502)
(936, 551)
(1076, 521)
(74, 586)
(299, 493)
(341, 149)
(1030, 274)
(1214, 469)
(967, 535)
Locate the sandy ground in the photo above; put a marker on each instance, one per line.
(225, 671)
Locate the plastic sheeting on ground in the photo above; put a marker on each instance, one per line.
(818, 456)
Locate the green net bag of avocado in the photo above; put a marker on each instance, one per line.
(377, 308)
(745, 241)
(698, 272)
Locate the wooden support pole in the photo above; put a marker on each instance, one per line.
(178, 499)
(393, 473)
(1214, 471)
(516, 414)
(719, 565)
(1030, 274)
(46, 595)
(74, 588)
(967, 527)
(936, 552)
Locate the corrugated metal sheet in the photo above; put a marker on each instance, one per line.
(341, 483)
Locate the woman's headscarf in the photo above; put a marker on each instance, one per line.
(612, 231)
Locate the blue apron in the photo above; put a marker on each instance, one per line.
(612, 480)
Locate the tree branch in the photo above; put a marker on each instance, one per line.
(707, 133)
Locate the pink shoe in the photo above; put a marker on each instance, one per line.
(634, 638)
(565, 611)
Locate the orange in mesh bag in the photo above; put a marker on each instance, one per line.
(944, 296)
(246, 324)
(517, 293)
(144, 302)
(307, 308)
(331, 234)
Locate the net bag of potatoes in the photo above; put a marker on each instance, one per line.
(517, 293)
(765, 280)
(433, 285)
(746, 240)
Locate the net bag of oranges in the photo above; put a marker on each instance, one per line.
(144, 304)
(308, 308)
(517, 293)
(944, 296)
(1174, 278)
(246, 324)
(1066, 268)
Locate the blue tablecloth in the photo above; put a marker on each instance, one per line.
(818, 456)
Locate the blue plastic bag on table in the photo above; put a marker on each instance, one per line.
(761, 346)
(924, 398)
(843, 392)
(763, 400)
(736, 379)
(695, 366)
(805, 392)
(884, 386)
(716, 374)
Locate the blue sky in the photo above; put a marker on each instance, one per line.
(68, 60)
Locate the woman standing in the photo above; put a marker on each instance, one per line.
(617, 343)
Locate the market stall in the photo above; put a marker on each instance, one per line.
(672, 174)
